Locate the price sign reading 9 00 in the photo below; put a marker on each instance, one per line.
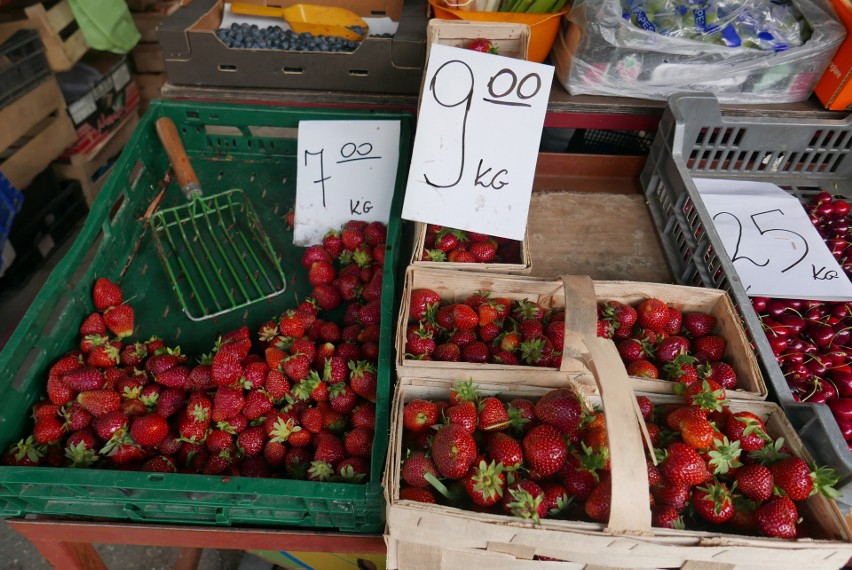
(477, 141)
(346, 170)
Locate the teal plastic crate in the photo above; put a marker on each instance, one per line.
(230, 146)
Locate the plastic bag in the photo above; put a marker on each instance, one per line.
(607, 50)
(107, 26)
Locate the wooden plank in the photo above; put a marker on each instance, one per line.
(20, 116)
(588, 173)
(605, 236)
(37, 154)
(61, 53)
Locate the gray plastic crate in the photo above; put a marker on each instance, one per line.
(803, 157)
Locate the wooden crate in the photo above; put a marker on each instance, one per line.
(63, 41)
(524, 267)
(511, 40)
(88, 168)
(439, 537)
(35, 130)
(579, 297)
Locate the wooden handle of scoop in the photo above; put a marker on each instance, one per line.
(169, 136)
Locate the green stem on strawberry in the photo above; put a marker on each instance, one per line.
(441, 488)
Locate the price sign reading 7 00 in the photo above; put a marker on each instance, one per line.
(346, 170)
(477, 141)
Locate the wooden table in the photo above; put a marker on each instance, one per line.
(67, 545)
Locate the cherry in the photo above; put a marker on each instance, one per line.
(841, 207)
(759, 303)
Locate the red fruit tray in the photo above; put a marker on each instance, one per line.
(448, 537)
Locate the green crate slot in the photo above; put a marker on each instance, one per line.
(230, 146)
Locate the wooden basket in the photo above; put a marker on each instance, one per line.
(579, 299)
(522, 268)
(36, 130)
(439, 537)
(510, 39)
(63, 41)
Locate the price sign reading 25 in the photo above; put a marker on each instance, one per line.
(346, 170)
(477, 141)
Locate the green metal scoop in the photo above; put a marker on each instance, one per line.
(214, 249)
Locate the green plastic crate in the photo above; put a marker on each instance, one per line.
(231, 146)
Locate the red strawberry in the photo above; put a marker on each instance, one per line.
(328, 448)
(159, 464)
(219, 440)
(777, 518)
(643, 369)
(159, 363)
(93, 325)
(82, 379)
(713, 503)
(492, 415)
(106, 294)
(483, 46)
(419, 341)
(359, 442)
(561, 409)
(291, 325)
(506, 450)
(632, 350)
(352, 470)
(227, 402)
(748, 429)
(698, 324)
(464, 318)
(674, 496)
(667, 517)
(525, 499)
(476, 352)
(447, 352)
(484, 252)
(709, 347)
(327, 296)
(170, 402)
(375, 233)
(675, 321)
(652, 314)
(485, 483)
(332, 244)
(754, 481)
(99, 402)
(149, 430)
(364, 415)
(672, 347)
(364, 380)
(544, 450)
(48, 430)
(313, 254)
(321, 273)
(453, 451)
(793, 476)
(251, 441)
(258, 403)
(598, 503)
(119, 320)
(419, 415)
(415, 494)
(175, 377)
(463, 414)
(683, 466)
(723, 374)
(296, 367)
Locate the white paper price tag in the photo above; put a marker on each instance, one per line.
(478, 134)
(346, 170)
(774, 247)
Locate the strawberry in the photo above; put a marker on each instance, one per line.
(683, 466)
(643, 369)
(219, 440)
(58, 392)
(476, 352)
(556, 498)
(420, 341)
(667, 517)
(363, 379)
(464, 414)
(748, 430)
(119, 320)
(544, 450)
(93, 325)
(674, 322)
(171, 401)
(698, 324)
(674, 496)
(364, 415)
(375, 233)
(251, 441)
(485, 483)
(777, 518)
(89, 342)
(48, 430)
(159, 464)
(313, 254)
(352, 470)
(561, 409)
(459, 255)
(672, 347)
(175, 377)
(327, 297)
(82, 379)
(99, 402)
(484, 252)
(697, 432)
(755, 482)
(227, 402)
(320, 273)
(447, 352)
(652, 314)
(351, 238)
(793, 476)
(419, 415)
(106, 294)
(291, 325)
(133, 354)
(598, 504)
(107, 425)
(506, 450)
(332, 244)
(453, 451)
(632, 350)
(483, 45)
(464, 318)
(492, 415)
(713, 502)
(415, 467)
(525, 499)
(65, 365)
(531, 328)
(359, 442)
(709, 347)
(328, 448)
(705, 395)
(149, 430)
(415, 494)
(296, 367)
(276, 385)
(722, 373)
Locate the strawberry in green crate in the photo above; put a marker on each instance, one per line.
(294, 399)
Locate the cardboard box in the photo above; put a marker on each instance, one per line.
(833, 88)
(105, 105)
(193, 55)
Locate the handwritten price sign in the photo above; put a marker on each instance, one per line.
(478, 134)
(774, 247)
(346, 170)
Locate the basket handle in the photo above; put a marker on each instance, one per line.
(580, 316)
(630, 509)
(170, 138)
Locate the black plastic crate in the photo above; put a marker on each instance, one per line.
(802, 156)
(23, 65)
(48, 218)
